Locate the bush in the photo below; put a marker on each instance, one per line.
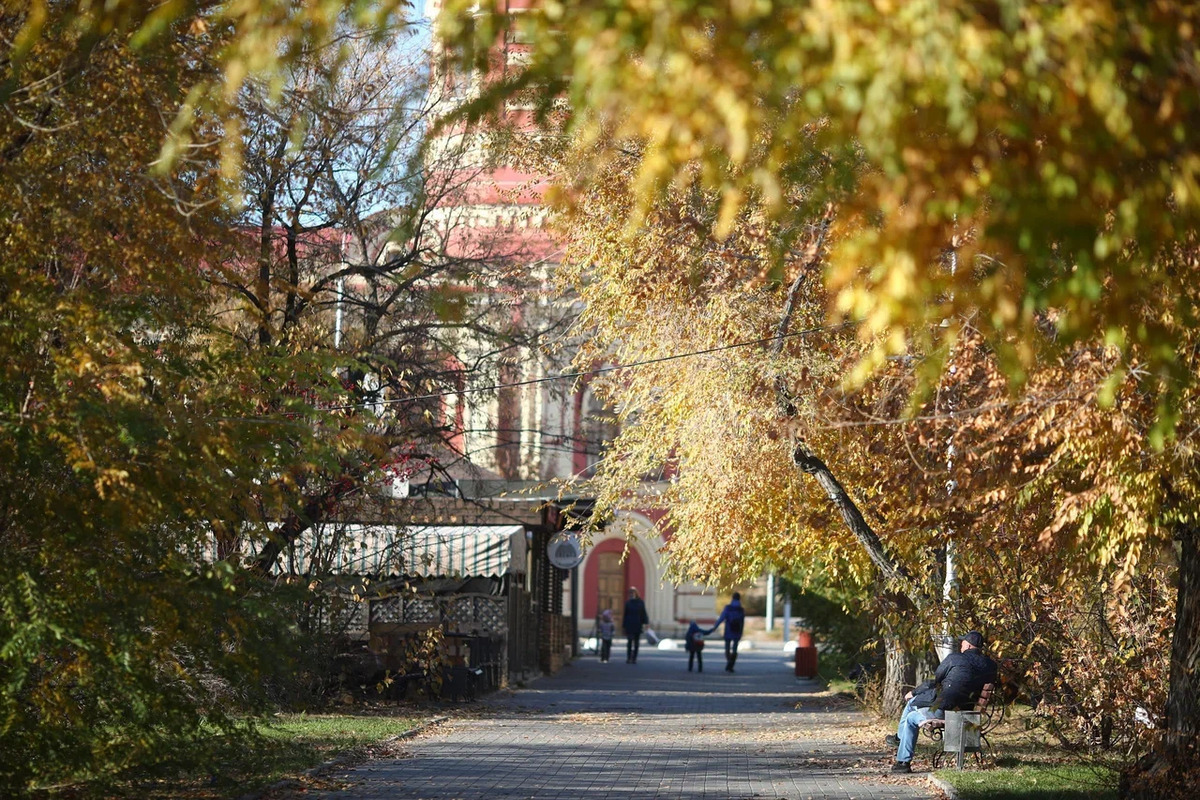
(109, 663)
(845, 637)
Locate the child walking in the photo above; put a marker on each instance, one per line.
(693, 641)
(606, 629)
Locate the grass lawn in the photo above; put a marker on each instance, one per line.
(1033, 782)
(286, 747)
(1028, 764)
(1025, 764)
(832, 669)
(839, 685)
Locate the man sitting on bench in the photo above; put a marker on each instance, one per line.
(955, 687)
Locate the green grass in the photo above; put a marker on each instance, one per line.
(336, 730)
(223, 768)
(840, 685)
(1033, 782)
(832, 668)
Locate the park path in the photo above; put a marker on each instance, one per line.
(648, 730)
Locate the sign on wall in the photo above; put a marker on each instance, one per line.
(565, 550)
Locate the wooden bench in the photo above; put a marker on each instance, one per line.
(989, 714)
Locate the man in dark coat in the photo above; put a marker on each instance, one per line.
(955, 687)
(633, 620)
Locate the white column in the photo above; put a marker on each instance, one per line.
(337, 315)
(950, 585)
(771, 601)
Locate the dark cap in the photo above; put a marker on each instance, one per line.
(973, 638)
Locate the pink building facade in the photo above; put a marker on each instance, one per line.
(556, 429)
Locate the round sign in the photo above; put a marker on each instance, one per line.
(565, 550)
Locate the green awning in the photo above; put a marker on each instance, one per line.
(449, 550)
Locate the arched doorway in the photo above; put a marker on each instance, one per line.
(606, 578)
(610, 584)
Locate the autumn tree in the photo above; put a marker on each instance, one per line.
(360, 253)
(1047, 147)
(740, 502)
(114, 642)
(125, 408)
(1005, 481)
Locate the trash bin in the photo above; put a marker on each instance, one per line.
(806, 656)
(961, 734)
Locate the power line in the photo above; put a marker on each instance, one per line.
(559, 377)
(598, 371)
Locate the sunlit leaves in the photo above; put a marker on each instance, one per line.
(1050, 142)
(1044, 492)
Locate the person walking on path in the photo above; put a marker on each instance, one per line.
(693, 641)
(955, 686)
(734, 617)
(606, 629)
(633, 621)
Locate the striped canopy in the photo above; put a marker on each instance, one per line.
(449, 550)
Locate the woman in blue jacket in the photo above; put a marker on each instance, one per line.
(734, 617)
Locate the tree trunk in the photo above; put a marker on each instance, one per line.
(898, 675)
(1183, 697)
(899, 672)
(262, 283)
(925, 665)
(1173, 771)
(315, 509)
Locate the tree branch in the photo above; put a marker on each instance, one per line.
(803, 456)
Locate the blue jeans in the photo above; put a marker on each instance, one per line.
(910, 727)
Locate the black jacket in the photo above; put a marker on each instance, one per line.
(635, 617)
(959, 680)
(924, 695)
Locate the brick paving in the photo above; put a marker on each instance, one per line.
(649, 730)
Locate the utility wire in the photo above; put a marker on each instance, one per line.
(598, 371)
(550, 378)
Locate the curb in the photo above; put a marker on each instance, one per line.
(938, 783)
(336, 761)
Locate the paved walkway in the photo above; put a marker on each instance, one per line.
(648, 730)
